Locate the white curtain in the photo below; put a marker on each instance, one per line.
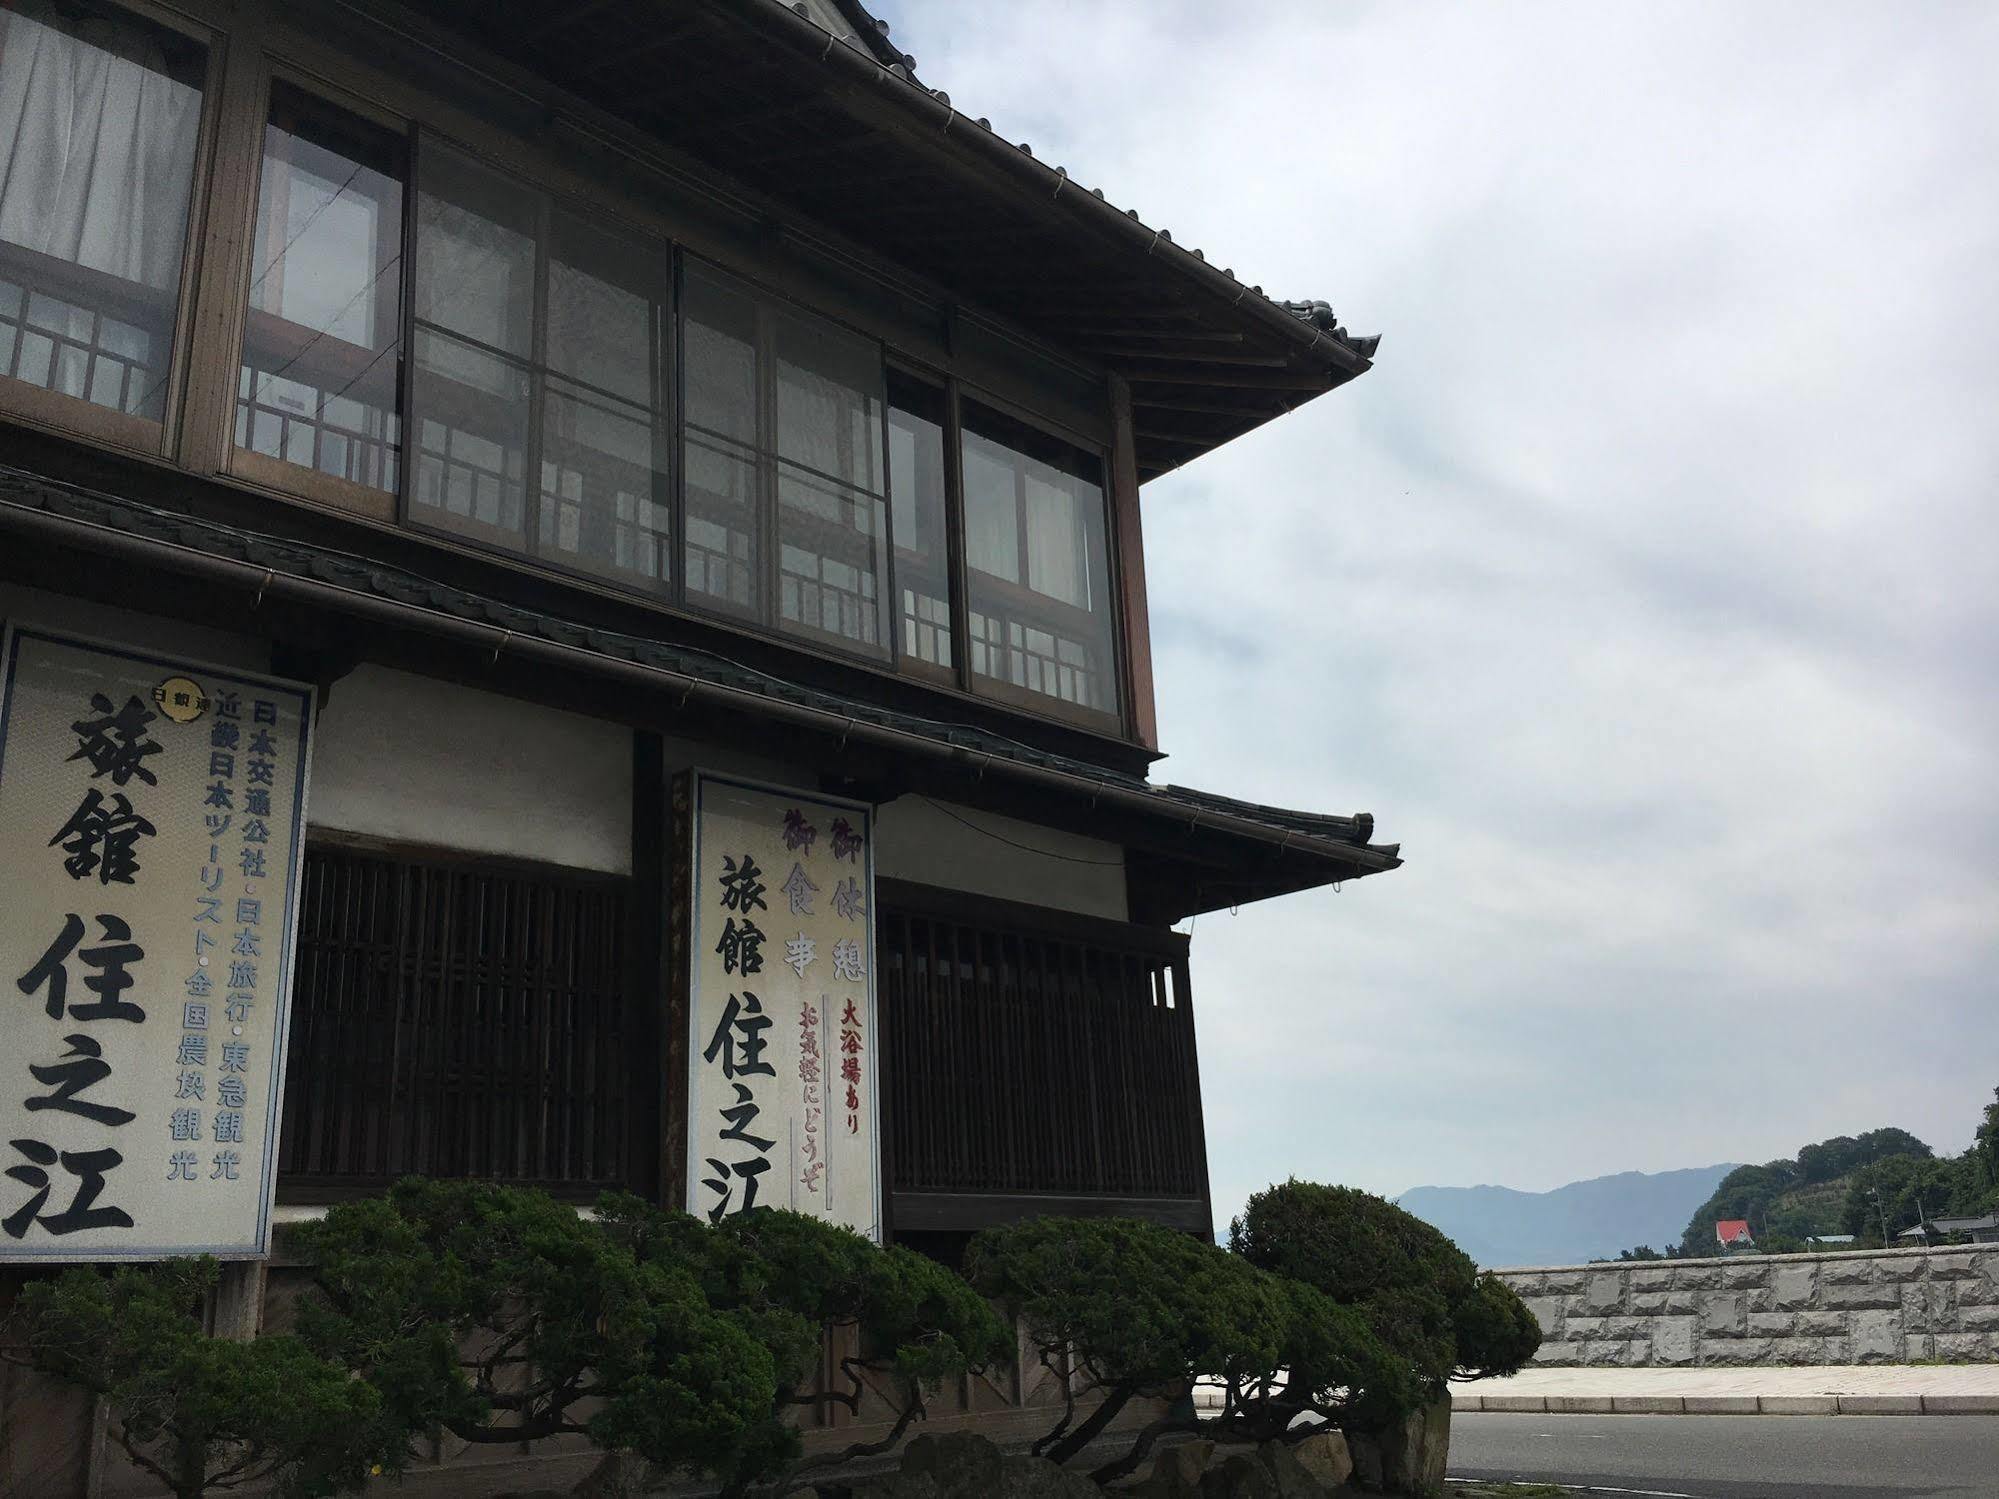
(1056, 561)
(99, 146)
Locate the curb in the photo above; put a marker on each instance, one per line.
(1729, 1405)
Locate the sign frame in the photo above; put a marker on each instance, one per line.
(700, 932)
(13, 632)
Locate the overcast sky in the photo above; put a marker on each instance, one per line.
(1647, 590)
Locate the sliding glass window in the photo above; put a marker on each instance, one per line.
(99, 112)
(919, 502)
(787, 515)
(1037, 569)
(538, 398)
(322, 341)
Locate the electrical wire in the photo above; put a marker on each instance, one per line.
(1011, 843)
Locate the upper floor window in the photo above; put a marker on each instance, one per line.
(100, 111)
(322, 338)
(919, 490)
(1037, 568)
(786, 493)
(538, 401)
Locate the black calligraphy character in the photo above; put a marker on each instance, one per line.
(82, 1066)
(740, 1118)
(798, 833)
(739, 1039)
(748, 1171)
(102, 837)
(742, 888)
(112, 957)
(116, 744)
(846, 842)
(741, 947)
(89, 1167)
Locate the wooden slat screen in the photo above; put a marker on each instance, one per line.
(456, 1020)
(1025, 1062)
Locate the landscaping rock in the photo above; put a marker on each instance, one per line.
(1415, 1453)
(1240, 1477)
(1325, 1457)
(1176, 1472)
(1293, 1481)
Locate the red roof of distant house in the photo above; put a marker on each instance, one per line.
(1732, 1230)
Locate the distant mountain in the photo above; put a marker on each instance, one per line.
(1585, 1220)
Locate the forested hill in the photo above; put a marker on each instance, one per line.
(1499, 1227)
(1872, 1186)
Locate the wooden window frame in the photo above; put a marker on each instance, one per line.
(653, 198)
(262, 469)
(53, 411)
(663, 413)
(770, 303)
(1118, 718)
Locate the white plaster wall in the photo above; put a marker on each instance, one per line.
(960, 848)
(424, 761)
(55, 611)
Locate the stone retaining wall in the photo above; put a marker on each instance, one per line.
(1892, 1306)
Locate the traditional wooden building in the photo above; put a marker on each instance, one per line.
(574, 395)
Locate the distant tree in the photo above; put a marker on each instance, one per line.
(1984, 1155)
(1744, 1193)
(1886, 1197)
(1645, 1252)
(1842, 1154)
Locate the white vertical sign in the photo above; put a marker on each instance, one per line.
(781, 1089)
(152, 817)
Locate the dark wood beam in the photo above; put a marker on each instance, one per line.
(1193, 408)
(1155, 434)
(1298, 381)
(1175, 334)
(1135, 351)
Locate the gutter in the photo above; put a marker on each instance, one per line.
(1055, 181)
(59, 530)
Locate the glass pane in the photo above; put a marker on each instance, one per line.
(602, 306)
(321, 346)
(101, 110)
(917, 499)
(472, 431)
(829, 410)
(830, 560)
(1037, 567)
(719, 356)
(475, 253)
(723, 558)
(605, 504)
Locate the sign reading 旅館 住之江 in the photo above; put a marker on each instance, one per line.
(781, 1047)
(151, 828)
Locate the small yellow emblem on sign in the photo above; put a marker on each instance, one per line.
(180, 699)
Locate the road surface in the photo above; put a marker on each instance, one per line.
(1738, 1457)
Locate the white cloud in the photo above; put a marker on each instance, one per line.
(1645, 590)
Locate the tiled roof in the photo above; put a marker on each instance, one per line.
(1315, 314)
(21, 490)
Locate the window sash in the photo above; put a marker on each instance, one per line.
(786, 487)
(97, 255)
(538, 404)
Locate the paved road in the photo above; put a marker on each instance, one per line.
(1738, 1457)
